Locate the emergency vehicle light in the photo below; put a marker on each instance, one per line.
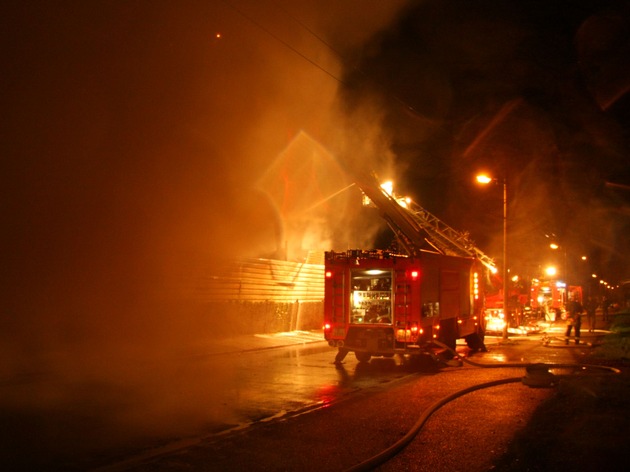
(415, 274)
(327, 326)
(328, 274)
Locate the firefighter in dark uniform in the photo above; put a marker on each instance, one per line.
(574, 320)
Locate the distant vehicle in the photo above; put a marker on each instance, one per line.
(549, 297)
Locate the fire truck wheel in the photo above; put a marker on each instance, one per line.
(363, 356)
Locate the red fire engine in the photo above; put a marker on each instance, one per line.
(550, 297)
(379, 303)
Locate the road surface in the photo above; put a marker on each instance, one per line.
(146, 411)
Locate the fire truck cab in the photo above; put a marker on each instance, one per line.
(378, 303)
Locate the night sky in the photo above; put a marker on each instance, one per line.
(535, 92)
(136, 136)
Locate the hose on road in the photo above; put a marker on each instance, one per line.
(537, 376)
(395, 448)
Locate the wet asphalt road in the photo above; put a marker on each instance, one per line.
(279, 404)
(366, 408)
(71, 416)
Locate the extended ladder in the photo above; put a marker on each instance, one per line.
(410, 222)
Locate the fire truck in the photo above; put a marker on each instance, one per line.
(383, 303)
(549, 298)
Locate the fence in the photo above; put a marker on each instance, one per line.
(262, 280)
(261, 295)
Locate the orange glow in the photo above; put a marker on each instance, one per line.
(388, 187)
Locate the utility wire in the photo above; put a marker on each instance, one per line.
(283, 42)
(324, 42)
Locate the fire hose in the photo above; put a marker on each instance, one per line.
(537, 376)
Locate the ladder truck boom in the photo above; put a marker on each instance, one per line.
(414, 226)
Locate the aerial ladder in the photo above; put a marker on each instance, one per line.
(415, 227)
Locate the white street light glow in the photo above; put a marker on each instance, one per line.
(484, 179)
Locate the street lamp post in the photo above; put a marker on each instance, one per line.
(505, 270)
(485, 179)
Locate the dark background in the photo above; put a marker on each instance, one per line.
(533, 92)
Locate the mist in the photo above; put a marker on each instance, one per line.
(140, 141)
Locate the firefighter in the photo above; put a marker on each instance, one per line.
(574, 320)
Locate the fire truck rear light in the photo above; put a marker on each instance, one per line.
(415, 274)
(329, 274)
(327, 327)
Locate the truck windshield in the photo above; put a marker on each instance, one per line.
(371, 296)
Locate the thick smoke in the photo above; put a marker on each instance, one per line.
(533, 93)
(135, 140)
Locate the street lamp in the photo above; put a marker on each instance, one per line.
(551, 271)
(486, 179)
